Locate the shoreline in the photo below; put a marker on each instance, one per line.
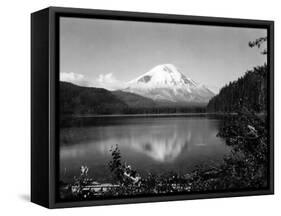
(148, 115)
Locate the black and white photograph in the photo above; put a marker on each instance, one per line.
(140, 107)
(155, 108)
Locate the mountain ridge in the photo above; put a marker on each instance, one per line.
(79, 100)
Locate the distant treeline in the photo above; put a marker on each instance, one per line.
(248, 91)
(164, 109)
(78, 100)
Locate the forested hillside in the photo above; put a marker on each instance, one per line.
(85, 100)
(248, 91)
(133, 100)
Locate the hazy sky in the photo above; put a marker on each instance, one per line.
(108, 53)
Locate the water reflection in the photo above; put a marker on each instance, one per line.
(162, 148)
(158, 144)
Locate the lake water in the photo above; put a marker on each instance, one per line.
(148, 144)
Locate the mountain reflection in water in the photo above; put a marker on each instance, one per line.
(149, 144)
(163, 146)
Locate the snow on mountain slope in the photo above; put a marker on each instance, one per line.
(166, 83)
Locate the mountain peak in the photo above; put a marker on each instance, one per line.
(161, 75)
(166, 82)
(164, 68)
(170, 68)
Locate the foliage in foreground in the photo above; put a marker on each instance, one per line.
(245, 168)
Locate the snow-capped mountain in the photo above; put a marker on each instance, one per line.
(166, 83)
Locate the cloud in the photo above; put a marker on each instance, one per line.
(109, 82)
(75, 78)
(107, 78)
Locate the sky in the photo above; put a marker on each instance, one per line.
(109, 53)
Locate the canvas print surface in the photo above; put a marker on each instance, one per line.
(152, 109)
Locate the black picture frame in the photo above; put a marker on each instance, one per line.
(45, 100)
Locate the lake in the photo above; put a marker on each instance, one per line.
(149, 144)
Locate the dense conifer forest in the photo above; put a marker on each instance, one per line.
(248, 91)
